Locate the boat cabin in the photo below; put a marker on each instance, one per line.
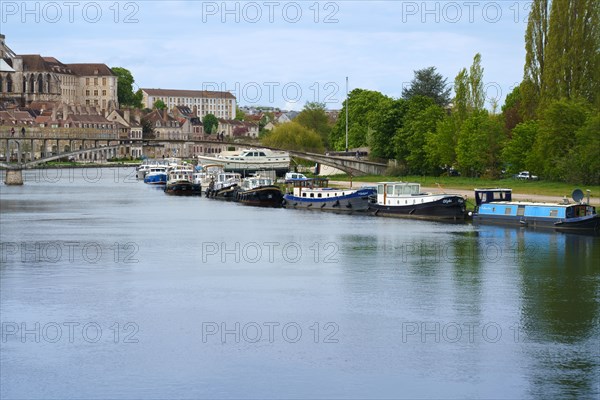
(253, 153)
(255, 182)
(483, 196)
(393, 190)
(316, 188)
(179, 176)
(226, 179)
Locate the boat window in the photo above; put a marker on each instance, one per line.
(397, 190)
(390, 189)
(312, 195)
(507, 211)
(554, 213)
(483, 197)
(262, 154)
(521, 211)
(379, 189)
(303, 194)
(319, 195)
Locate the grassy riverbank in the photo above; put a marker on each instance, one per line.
(544, 188)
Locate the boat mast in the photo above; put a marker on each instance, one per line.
(346, 114)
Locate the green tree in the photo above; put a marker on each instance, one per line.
(239, 114)
(582, 164)
(210, 123)
(420, 121)
(536, 39)
(479, 142)
(440, 146)
(462, 95)
(125, 94)
(293, 136)
(314, 117)
(512, 111)
(477, 95)
(159, 105)
(366, 109)
(556, 137)
(427, 82)
(572, 61)
(147, 129)
(381, 138)
(468, 89)
(517, 150)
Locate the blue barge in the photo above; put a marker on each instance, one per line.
(314, 194)
(495, 206)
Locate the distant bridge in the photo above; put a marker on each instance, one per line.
(350, 165)
(106, 145)
(353, 167)
(104, 151)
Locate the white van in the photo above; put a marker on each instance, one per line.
(294, 176)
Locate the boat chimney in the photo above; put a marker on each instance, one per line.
(588, 195)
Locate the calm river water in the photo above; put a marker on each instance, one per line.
(112, 289)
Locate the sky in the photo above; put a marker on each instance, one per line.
(277, 53)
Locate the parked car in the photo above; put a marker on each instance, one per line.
(526, 175)
(294, 176)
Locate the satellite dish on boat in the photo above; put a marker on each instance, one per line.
(577, 195)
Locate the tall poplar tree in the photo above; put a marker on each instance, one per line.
(468, 89)
(572, 52)
(477, 95)
(536, 39)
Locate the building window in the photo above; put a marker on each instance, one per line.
(95, 93)
(103, 81)
(104, 93)
(87, 81)
(87, 92)
(95, 81)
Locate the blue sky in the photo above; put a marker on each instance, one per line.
(277, 53)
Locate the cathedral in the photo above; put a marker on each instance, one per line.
(34, 78)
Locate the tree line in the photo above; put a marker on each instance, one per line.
(549, 123)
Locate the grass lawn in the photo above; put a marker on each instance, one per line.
(546, 188)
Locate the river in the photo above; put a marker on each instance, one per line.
(111, 289)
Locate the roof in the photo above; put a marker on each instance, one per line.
(189, 93)
(91, 69)
(4, 67)
(156, 115)
(89, 118)
(37, 63)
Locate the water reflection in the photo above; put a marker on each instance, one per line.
(560, 297)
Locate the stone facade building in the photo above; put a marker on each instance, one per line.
(32, 77)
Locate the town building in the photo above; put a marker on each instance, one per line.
(234, 128)
(220, 104)
(129, 127)
(32, 77)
